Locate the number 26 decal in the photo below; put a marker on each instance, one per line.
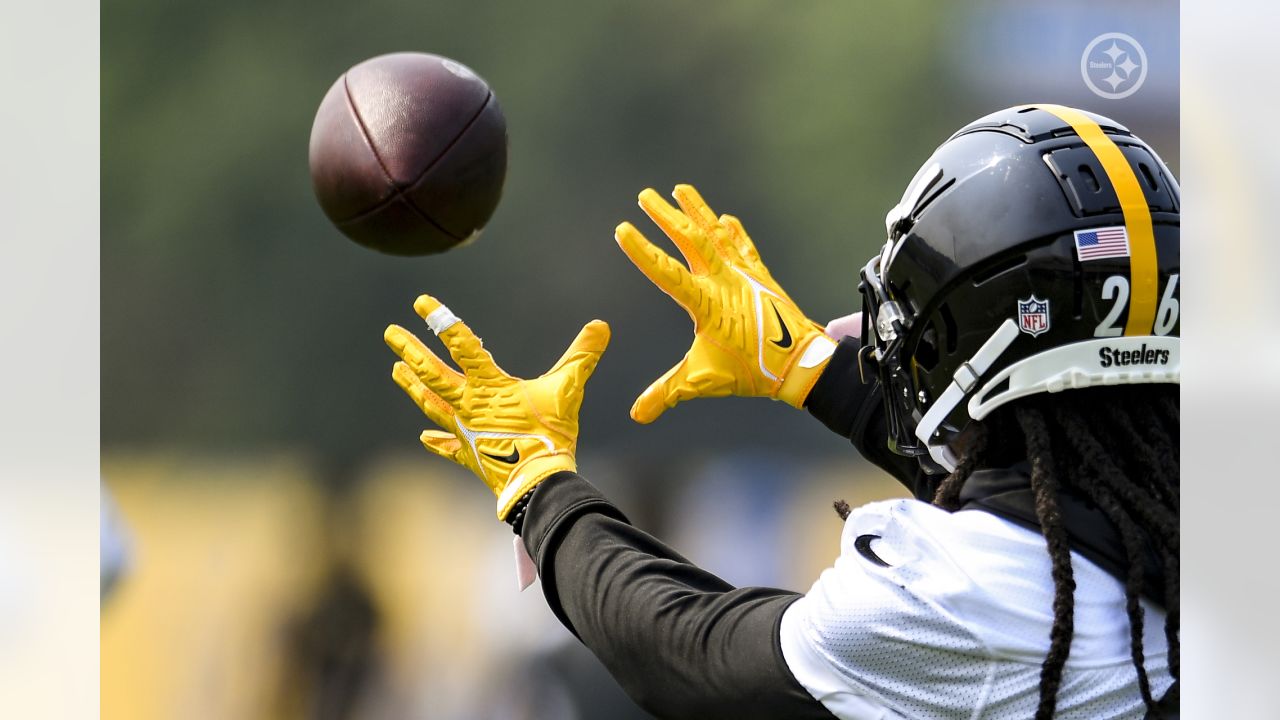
(1116, 288)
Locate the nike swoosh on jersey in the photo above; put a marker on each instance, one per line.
(863, 545)
(785, 341)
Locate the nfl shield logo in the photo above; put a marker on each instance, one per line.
(1033, 315)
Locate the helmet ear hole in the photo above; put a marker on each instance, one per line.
(951, 333)
(926, 353)
(939, 337)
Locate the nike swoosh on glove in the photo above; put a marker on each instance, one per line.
(750, 338)
(513, 433)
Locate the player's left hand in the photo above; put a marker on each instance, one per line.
(513, 433)
(750, 338)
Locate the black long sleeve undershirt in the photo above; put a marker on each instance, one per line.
(851, 406)
(682, 642)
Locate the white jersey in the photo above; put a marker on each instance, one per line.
(956, 625)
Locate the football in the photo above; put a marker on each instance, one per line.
(408, 153)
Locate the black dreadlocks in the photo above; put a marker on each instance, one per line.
(1116, 447)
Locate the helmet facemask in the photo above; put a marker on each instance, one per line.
(886, 327)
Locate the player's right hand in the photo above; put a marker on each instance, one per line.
(750, 339)
(513, 433)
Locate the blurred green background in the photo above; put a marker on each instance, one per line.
(234, 316)
(239, 327)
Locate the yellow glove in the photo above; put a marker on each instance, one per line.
(513, 433)
(749, 339)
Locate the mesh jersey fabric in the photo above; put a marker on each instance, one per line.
(957, 625)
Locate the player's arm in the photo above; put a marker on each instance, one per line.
(848, 399)
(681, 641)
(750, 338)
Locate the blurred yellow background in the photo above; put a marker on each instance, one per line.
(253, 592)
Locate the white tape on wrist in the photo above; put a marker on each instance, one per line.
(526, 570)
(441, 319)
(819, 350)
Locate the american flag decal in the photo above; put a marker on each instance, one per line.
(1101, 243)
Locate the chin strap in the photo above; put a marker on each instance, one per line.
(962, 383)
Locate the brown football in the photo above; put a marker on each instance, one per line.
(408, 153)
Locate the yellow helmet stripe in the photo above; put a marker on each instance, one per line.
(1144, 272)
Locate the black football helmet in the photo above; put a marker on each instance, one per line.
(1035, 251)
